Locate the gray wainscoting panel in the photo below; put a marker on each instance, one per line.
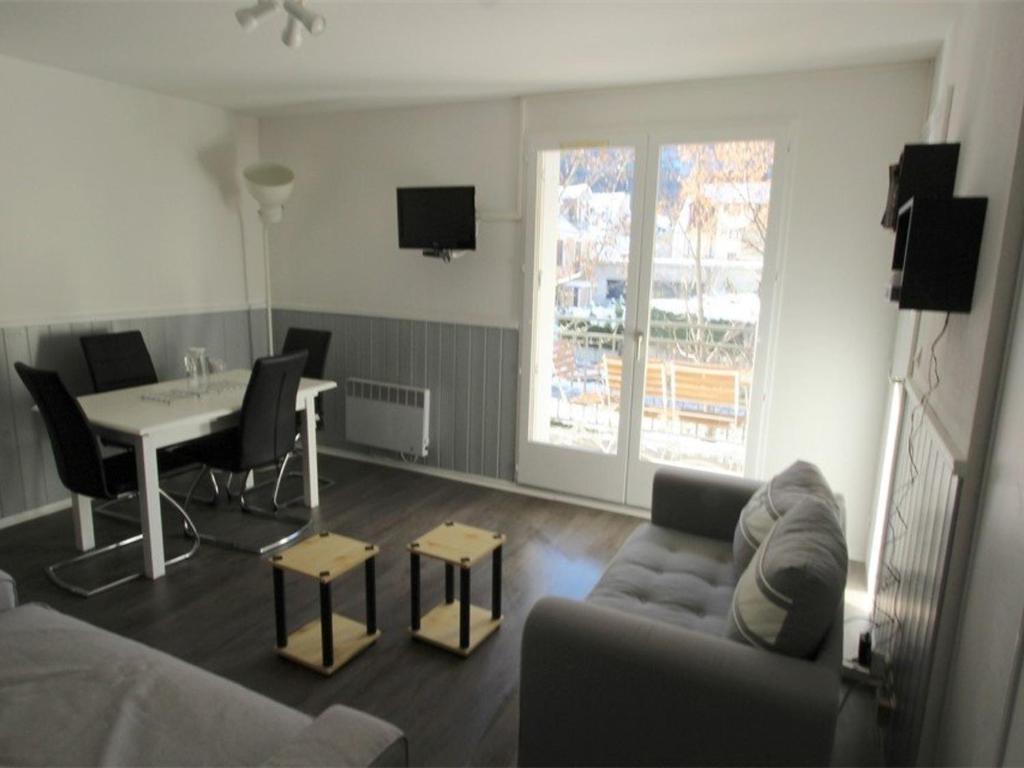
(28, 475)
(913, 575)
(471, 372)
(258, 332)
(12, 489)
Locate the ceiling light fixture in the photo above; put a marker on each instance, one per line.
(292, 35)
(250, 18)
(298, 14)
(314, 22)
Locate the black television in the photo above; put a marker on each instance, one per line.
(437, 220)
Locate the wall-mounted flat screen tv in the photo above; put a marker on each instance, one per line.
(437, 218)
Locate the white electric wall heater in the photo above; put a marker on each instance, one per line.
(388, 416)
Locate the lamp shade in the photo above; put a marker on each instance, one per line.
(271, 185)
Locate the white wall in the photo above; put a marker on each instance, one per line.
(336, 250)
(984, 62)
(983, 684)
(118, 201)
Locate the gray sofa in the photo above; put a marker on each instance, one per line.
(73, 694)
(641, 672)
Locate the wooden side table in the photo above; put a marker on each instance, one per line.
(457, 625)
(325, 557)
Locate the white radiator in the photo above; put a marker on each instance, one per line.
(389, 416)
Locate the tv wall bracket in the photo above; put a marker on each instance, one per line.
(444, 254)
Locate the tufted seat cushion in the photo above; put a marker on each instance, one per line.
(672, 577)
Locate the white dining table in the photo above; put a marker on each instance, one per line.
(155, 416)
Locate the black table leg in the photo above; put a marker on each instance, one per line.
(449, 583)
(326, 623)
(496, 584)
(371, 597)
(414, 570)
(279, 615)
(464, 607)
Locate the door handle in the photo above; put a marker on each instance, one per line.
(639, 345)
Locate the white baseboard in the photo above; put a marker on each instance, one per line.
(32, 514)
(488, 482)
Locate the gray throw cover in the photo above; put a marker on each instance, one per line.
(73, 694)
(773, 500)
(786, 599)
(343, 736)
(8, 592)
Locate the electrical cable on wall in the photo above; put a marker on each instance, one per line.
(892, 575)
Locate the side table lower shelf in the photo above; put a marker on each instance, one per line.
(350, 639)
(440, 626)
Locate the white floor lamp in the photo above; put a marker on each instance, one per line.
(271, 185)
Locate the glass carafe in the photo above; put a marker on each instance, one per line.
(197, 367)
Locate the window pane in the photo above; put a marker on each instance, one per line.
(584, 208)
(711, 222)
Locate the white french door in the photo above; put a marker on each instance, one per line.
(585, 212)
(650, 265)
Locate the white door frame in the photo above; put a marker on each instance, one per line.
(623, 478)
(580, 472)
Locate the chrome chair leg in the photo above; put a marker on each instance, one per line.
(192, 487)
(279, 470)
(228, 480)
(52, 571)
(256, 549)
(191, 495)
(214, 488)
(259, 549)
(274, 513)
(325, 482)
(277, 482)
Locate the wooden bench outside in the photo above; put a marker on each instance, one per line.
(698, 394)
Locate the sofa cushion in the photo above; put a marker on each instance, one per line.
(672, 577)
(773, 500)
(786, 599)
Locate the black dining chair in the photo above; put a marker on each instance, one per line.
(120, 360)
(83, 469)
(316, 343)
(264, 438)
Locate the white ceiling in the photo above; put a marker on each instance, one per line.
(382, 53)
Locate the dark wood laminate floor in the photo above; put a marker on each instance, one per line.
(216, 610)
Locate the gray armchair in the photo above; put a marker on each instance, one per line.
(606, 686)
